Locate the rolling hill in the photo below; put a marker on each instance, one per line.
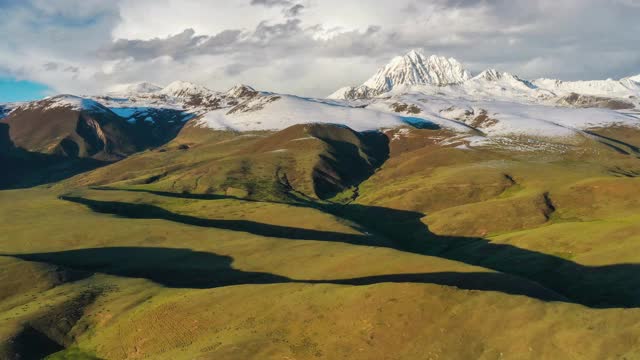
(429, 213)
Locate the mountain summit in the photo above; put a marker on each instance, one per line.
(185, 89)
(435, 74)
(413, 68)
(135, 89)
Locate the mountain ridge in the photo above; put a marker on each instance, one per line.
(420, 92)
(416, 69)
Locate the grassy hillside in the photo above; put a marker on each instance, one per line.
(318, 242)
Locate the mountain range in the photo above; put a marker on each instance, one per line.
(416, 72)
(491, 110)
(413, 90)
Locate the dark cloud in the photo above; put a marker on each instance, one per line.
(271, 3)
(149, 49)
(71, 69)
(290, 8)
(266, 31)
(294, 11)
(272, 40)
(50, 66)
(54, 66)
(176, 46)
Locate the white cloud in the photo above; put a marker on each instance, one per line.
(319, 46)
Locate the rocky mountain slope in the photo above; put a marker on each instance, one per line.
(80, 127)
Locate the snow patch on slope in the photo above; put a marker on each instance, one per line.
(71, 102)
(354, 93)
(506, 118)
(290, 110)
(608, 88)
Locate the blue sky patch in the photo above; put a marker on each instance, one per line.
(21, 90)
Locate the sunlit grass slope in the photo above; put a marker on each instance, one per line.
(321, 243)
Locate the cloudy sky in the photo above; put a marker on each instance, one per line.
(306, 47)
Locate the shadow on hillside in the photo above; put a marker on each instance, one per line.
(31, 343)
(594, 286)
(184, 268)
(346, 163)
(617, 145)
(183, 195)
(23, 169)
(145, 211)
(597, 286)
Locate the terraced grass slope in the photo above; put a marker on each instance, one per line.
(318, 242)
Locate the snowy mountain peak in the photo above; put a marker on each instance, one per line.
(415, 72)
(135, 89)
(493, 75)
(143, 87)
(414, 68)
(185, 89)
(414, 54)
(66, 101)
(505, 78)
(241, 91)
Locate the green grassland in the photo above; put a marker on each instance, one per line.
(317, 242)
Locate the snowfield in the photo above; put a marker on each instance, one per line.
(287, 110)
(508, 118)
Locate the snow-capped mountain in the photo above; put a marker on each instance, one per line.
(497, 76)
(413, 90)
(414, 68)
(186, 89)
(65, 101)
(73, 127)
(241, 91)
(135, 89)
(624, 88)
(416, 72)
(493, 84)
(146, 101)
